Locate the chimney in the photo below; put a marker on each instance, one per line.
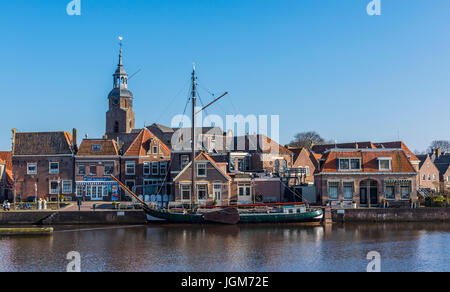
(74, 138)
(14, 131)
(438, 152)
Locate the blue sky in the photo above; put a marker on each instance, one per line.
(321, 65)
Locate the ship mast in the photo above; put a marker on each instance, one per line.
(194, 100)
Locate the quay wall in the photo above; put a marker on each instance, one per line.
(392, 215)
(72, 218)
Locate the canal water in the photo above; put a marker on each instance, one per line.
(256, 248)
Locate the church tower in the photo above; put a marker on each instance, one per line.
(120, 117)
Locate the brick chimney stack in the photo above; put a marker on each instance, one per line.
(14, 131)
(438, 152)
(75, 139)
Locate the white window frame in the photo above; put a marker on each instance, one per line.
(187, 161)
(130, 164)
(104, 168)
(244, 186)
(329, 190)
(153, 149)
(50, 167)
(385, 159)
(307, 170)
(28, 168)
(52, 191)
(205, 165)
(350, 164)
(78, 169)
(155, 165)
(187, 186)
(69, 189)
(96, 148)
(96, 170)
(343, 190)
(147, 165)
(198, 192)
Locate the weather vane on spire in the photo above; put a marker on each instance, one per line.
(120, 43)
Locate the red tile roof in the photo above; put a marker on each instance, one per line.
(108, 148)
(369, 161)
(398, 145)
(143, 142)
(6, 156)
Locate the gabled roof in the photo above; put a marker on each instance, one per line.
(443, 163)
(43, 143)
(143, 143)
(203, 157)
(107, 148)
(369, 161)
(422, 158)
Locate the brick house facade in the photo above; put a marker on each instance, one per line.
(366, 176)
(43, 165)
(95, 162)
(429, 177)
(145, 168)
(213, 184)
(303, 169)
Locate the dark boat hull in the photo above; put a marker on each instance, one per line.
(307, 217)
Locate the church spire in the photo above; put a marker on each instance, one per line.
(120, 76)
(120, 55)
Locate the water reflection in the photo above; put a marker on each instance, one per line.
(404, 247)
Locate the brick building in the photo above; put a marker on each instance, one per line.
(43, 165)
(442, 162)
(95, 162)
(366, 176)
(120, 117)
(428, 177)
(213, 184)
(145, 168)
(304, 167)
(6, 176)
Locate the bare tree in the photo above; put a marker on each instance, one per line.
(443, 144)
(307, 140)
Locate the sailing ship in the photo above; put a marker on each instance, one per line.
(232, 214)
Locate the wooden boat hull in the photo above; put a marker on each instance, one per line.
(307, 217)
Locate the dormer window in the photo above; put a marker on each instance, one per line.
(385, 164)
(349, 164)
(201, 170)
(96, 148)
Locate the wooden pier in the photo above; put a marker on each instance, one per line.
(25, 231)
